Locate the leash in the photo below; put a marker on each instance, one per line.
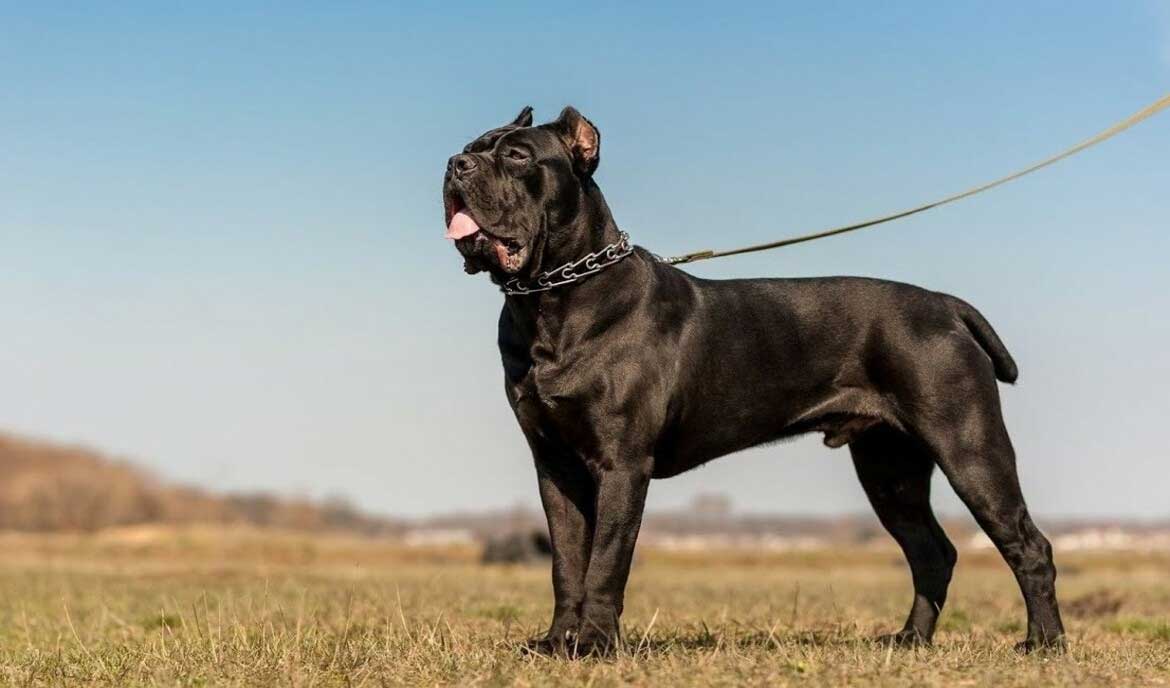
(1109, 133)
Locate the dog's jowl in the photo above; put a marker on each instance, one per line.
(621, 368)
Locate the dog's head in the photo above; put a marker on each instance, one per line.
(515, 193)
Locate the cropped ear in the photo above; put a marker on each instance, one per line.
(582, 139)
(524, 119)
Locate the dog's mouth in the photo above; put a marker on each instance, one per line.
(484, 251)
(479, 246)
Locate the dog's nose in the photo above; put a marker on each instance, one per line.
(461, 165)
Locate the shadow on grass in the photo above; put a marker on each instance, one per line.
(705, 640)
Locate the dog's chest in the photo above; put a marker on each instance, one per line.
(549, 381)
(544, 395)
(538, 387)
(536, 367)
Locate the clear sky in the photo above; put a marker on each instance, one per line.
(221, 228)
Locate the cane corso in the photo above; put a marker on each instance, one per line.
(621, 368)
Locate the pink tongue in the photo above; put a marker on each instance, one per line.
(461, 226)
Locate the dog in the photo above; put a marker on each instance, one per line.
(621, 368)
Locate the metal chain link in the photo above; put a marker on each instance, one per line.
(566, 274)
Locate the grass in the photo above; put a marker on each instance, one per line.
(203, 609)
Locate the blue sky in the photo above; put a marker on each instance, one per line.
(221, 225)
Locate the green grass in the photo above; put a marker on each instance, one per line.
(293, 612)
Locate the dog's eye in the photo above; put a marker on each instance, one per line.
(516, 154)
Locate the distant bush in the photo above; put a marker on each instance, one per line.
(49, 487)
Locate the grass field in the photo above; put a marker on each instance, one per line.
(200, 608)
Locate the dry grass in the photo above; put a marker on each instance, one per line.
(198, 608)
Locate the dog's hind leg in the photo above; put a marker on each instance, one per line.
(974, 451)
(895, 472)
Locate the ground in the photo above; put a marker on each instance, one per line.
(253, 609)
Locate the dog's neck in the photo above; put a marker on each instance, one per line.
(591, 230)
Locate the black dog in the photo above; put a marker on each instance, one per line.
(621, 368)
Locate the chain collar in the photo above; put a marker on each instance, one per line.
(571, 272)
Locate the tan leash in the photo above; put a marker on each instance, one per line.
(1109, 133)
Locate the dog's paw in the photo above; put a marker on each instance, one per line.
(537, 646)
(545, 646)
(593, 645)
(599, 634)
(1054, 645)
(906, 638)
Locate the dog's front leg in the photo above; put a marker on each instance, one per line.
(621, 497)
(567, 493)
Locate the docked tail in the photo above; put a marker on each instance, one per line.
(1005, 366)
